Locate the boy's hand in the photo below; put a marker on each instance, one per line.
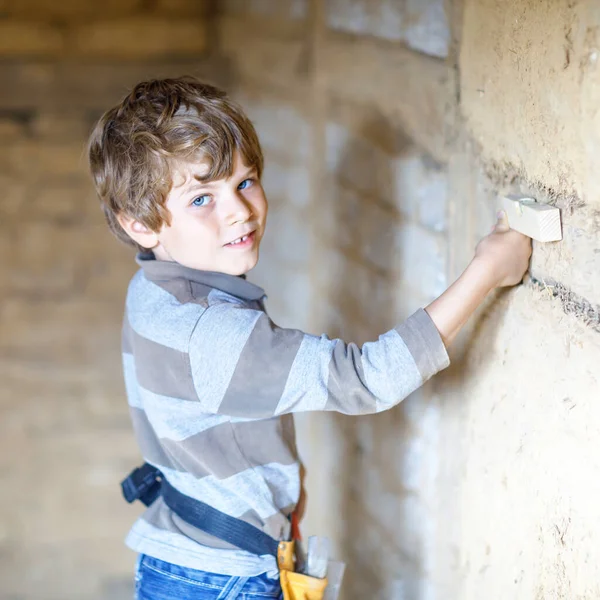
(504, 254)
(501, 259)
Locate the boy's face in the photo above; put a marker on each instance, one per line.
(208, 220)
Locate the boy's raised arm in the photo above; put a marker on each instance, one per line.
(245, 366)
(501, 259)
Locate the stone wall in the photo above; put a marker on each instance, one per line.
(389, 129)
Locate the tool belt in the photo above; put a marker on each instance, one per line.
(146, 483)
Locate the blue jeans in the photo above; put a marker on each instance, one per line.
(159, 580)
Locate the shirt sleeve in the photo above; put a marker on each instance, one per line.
(243, 365)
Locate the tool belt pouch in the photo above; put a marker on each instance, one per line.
(297, 586)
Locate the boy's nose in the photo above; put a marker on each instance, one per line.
(237, 210)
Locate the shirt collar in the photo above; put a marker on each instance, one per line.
(161, 271)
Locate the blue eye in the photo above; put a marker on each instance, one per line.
(245, 184)
(201, 200)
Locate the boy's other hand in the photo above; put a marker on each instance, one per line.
(504, 253)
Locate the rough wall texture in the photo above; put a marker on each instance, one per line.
(389, 128)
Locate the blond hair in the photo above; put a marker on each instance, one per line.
(135, 145)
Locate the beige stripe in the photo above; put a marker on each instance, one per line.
(424, 343)
(221, 451)
(262, 371)
(162, 370)
(231, 448)
(348, 391)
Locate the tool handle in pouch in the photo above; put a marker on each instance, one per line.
(297, 586)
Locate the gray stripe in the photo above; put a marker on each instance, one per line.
(161, 272)
(126, 342)
(348, 391)
(424, 343)
(149, 444)
(160, 516)
(179, 288)
(163, 370)
(218, 451)
(262, 370)
(185, 291)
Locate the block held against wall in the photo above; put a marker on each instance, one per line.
(538, 221)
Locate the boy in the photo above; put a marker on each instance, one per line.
(212, 382)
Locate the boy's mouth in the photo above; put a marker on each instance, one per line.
(242, 242)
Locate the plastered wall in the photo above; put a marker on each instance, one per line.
(517, 485)
(389, 128)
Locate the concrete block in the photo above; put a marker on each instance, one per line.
(53, 158)
(289, 184)
(377, 231)
(47, 333)
(391, 21)
(30, 39)
(340, 216)
(433, 199)
(140, 38)
(421, 257)
(354, 300)
(273, 54)
(53, 126)
(59, 203)
(357, 161)
(426, 27)
(287, 239)
(331, 261)
(183, 8)
(292, 9)
(95, 86)
(283, 130)
(12, 128)
(408, 176)
(44, 260)
(289, 293)
(351, 16)
(410, 90)
(67, 10)
(421, 190)
(420, 24)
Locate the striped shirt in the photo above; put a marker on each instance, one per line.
(212, 385)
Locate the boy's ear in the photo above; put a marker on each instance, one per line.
(138, 232)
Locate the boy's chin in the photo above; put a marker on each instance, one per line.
(240, 265)
(243, 269)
